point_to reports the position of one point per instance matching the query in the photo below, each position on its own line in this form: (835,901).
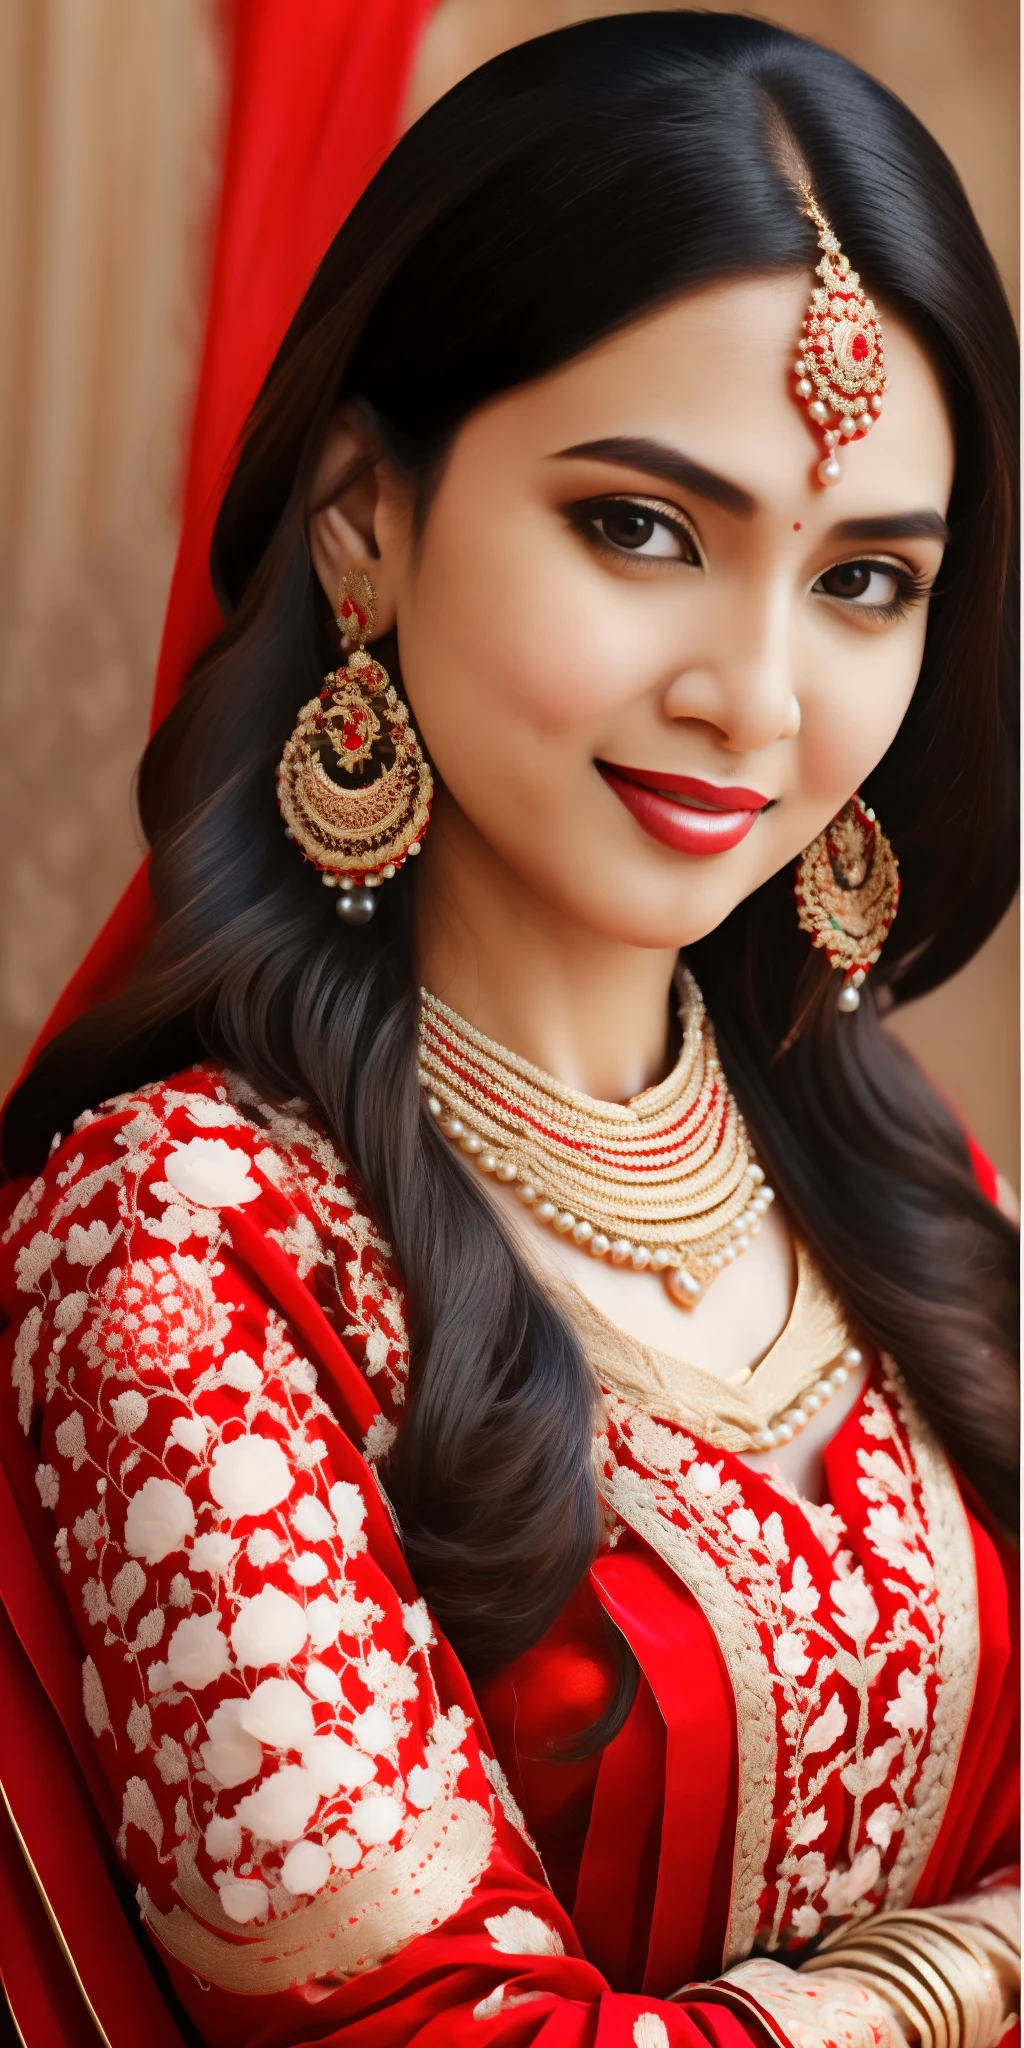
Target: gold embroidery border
(728,1617)
(352,1927)
(956,1592)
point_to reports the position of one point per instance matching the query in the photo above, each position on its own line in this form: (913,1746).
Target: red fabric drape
(315,104)
(316,101)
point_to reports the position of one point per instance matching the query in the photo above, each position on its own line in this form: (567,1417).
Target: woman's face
(650,655)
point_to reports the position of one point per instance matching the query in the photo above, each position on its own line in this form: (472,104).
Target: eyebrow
(656,458)
(893,526)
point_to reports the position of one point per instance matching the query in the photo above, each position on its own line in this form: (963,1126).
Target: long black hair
(566,189)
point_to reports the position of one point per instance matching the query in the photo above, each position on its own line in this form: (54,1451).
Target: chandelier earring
(353,786)
(847,894)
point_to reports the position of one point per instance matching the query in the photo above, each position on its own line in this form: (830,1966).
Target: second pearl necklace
(665,1183)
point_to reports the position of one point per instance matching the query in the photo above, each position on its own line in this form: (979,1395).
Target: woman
(403,1308)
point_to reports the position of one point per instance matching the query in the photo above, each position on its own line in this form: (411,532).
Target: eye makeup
(635,528)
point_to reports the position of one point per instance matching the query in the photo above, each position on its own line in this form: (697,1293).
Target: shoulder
(170,1192)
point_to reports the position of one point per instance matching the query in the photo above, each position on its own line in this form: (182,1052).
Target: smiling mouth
(683,811)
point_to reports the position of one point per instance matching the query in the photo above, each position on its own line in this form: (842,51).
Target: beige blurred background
(111,119)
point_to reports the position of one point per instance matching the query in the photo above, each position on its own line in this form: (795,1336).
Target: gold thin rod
(54,1923)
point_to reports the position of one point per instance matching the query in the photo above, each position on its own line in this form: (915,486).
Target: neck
(591,1011)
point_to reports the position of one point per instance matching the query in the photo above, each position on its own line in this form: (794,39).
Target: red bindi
(796,526)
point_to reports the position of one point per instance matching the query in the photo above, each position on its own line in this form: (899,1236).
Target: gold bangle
(961,1961)
(915,2012)
(940,1962)
(894,1963)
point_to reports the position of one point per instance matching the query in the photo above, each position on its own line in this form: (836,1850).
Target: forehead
(712,374)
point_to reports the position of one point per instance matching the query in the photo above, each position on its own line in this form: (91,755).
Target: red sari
(205,1357)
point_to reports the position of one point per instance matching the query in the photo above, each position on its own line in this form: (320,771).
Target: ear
(360,517)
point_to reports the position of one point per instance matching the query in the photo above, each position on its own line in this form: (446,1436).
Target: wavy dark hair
(563,191)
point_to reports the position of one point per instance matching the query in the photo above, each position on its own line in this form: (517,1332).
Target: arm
(307,1800)
(946,1974)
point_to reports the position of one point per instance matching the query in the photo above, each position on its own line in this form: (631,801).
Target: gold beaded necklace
(666,1183)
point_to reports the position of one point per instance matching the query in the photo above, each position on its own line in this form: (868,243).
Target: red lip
(733,813)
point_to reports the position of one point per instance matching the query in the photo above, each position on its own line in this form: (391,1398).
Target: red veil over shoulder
(316,100)
(316,97)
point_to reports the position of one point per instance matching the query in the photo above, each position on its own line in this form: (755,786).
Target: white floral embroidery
(211,1173)
(244,1898)
(276,1718)
(306,1868)
(48,1485)
(249,1474)
(94,1698)
(816,1646)
(521,1933)
(160,1519)
(650,2031)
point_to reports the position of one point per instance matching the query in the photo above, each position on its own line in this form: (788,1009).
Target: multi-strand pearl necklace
(666,1183)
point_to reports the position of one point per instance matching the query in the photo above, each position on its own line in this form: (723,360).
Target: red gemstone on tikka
(858,348)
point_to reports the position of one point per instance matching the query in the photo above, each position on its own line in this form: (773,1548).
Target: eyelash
(584,517)
(911,587)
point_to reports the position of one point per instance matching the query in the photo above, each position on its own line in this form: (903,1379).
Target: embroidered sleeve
(306,1793)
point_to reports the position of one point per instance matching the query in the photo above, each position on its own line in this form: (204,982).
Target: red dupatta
(316,99)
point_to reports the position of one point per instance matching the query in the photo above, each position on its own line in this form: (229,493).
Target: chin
(640,916)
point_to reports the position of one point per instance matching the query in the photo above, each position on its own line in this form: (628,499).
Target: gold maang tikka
(840,371)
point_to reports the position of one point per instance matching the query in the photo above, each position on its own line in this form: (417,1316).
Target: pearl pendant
(356,906)
(684,1289)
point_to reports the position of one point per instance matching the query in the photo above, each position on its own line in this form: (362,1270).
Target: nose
(742,681)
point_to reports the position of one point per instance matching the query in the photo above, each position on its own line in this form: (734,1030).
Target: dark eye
(628,526)
(865,583)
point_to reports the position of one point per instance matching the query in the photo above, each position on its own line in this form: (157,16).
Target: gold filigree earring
(357,827)
(847,894)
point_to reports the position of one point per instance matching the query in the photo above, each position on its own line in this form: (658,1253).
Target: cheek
(504,628)
(853,705)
